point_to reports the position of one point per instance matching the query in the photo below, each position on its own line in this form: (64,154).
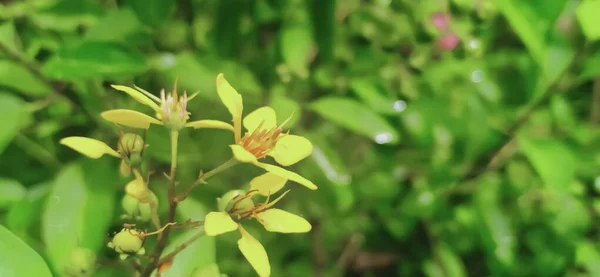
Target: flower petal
(233,101)
(130,118)
(291,149)
(255,253)
(265,115)
(215,124)
(268,183)
(138,96)
(288,175)
(276,220)
(216,223)
(242,154)
(89,147)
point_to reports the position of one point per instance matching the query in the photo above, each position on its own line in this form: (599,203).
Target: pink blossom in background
(447,42)
(440,20)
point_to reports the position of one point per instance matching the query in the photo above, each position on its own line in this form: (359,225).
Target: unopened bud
(236,202)
(131,146)
(138,189)
(81,263)
(131,143)
(128,242)
(225,203)
(136,210)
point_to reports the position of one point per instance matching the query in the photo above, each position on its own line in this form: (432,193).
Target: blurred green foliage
(451,138)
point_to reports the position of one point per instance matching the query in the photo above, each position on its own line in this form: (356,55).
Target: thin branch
(435,248)
(36,151)
(204,176)
(595,114)
(34,68)
(348,253)
(164,237)
(493,159)
(181,247)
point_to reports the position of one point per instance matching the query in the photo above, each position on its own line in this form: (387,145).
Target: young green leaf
(355,117)
(18,259)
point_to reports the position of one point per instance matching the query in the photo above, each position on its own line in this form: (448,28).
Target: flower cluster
(263,137)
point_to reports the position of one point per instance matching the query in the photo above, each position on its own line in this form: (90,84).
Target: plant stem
(203,176)
(37,151)
(164,237)
(174,142)
(181,247)
(220,168)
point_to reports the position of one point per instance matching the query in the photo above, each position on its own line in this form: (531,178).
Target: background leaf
(357,118)
(18,259)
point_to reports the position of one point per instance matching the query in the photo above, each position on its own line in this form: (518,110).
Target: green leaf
(587,15)
(528,25)
(67,15)
(18,259)
(357,118)
(192,75)
(27,211)
(11,192)
(371,93)
(284,107)
(79,209)
(588,256)
(116,26)
(8,38)
(153,12)
(94,60)
(208,271)
(201,253)
(296,46)
(15,109)
(591,66)
(547,156)
(16,76)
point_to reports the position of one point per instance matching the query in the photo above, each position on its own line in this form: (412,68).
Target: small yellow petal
(233,101)
(138,96)
(287,175)
(89,147)
(291,149)
(130,118)
(268,183)
(214,124)
(276,220)
(242,154)
(216,223)
(255,253)
(265,115)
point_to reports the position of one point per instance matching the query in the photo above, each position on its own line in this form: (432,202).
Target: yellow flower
(242,207)
(130,149)
(171,113)
(263,137)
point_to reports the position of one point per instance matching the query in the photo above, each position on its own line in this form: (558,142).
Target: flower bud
(81,263)
(138,189)
(131,146)
(136,210)
(128,242)
(236,202)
